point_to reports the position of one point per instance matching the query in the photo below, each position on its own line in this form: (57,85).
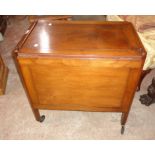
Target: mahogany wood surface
(78,65)
(3,76)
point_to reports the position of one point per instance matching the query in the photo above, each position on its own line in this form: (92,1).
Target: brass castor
(42,118)
(122,129)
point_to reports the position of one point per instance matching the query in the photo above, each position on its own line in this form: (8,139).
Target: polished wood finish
(89,66)
(58,38)
(3,76)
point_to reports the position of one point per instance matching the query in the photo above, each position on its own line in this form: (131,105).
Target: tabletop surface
(85,38)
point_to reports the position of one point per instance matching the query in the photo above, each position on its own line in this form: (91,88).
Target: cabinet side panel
(134,76)
(3,76)
(75,83)
(28,83)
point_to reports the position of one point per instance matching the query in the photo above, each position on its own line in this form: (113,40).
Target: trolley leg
(123,121)
(38,117)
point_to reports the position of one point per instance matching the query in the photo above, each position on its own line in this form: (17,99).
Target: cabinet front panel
(87,84)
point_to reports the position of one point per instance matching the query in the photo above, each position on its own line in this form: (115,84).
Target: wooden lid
(81,39)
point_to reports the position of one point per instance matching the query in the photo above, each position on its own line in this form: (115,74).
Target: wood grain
(3,76)
(89,66)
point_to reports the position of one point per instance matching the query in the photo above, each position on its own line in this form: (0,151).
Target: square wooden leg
(37,115)
(123,121)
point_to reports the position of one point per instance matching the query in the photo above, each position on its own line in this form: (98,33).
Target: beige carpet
(17,121)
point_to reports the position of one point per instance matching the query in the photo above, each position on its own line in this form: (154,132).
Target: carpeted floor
(17,121)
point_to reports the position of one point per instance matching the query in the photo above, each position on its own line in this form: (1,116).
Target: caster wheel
(122,129)
(42,118)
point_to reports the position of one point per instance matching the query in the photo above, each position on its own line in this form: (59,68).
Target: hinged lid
(81,39)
